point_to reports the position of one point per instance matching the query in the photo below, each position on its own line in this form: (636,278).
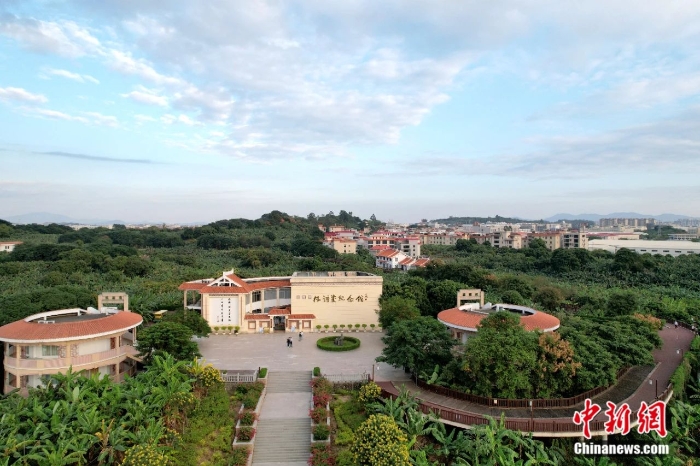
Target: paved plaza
(250,351)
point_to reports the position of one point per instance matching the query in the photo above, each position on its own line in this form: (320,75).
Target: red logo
(651,418)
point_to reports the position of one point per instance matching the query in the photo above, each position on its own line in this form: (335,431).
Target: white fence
(237,377)
(347,378)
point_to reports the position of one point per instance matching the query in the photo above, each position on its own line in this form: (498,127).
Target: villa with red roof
(96,341)
(464,319)
(299,302)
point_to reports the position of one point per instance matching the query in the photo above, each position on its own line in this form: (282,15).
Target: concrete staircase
(289,382)
(283,435)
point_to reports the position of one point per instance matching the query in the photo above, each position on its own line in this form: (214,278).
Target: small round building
(464,319)
(95,341)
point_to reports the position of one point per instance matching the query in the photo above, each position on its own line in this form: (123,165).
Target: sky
(181,111)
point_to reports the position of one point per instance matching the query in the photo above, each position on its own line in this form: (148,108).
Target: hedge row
(328,344)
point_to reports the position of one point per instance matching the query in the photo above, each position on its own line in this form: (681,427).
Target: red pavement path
(676,341)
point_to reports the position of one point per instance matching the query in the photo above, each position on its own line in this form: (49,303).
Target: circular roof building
(464,320)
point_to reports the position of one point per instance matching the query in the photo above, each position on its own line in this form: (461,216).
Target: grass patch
(328,344)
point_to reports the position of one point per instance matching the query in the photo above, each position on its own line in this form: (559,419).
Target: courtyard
(248,352)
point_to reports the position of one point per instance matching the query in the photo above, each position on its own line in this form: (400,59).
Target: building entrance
(279,323)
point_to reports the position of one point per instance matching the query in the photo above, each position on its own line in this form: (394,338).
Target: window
(285,293)
(256,296)
(49,351)
(271,294)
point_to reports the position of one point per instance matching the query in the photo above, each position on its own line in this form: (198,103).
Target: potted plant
(364,327)
(216,330)
(335,327)
(372,326)
(325,328)
(318,328)
(229,329)
(342,327)
(236,329)
(357,327)
(349,327)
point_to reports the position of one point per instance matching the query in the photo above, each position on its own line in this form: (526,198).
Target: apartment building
(574,239)
(409,244)
(629,222)
(444,239)
(390,259)
(342,245)
(551,239)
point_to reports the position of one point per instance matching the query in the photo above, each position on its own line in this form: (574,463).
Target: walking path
(676,341)
(283,436)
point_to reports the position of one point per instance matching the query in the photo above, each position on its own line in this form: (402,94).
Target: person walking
(301,335)
(289,342)
(675,323)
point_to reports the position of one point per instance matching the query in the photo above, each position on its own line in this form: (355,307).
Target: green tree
(502,357)
(549,298)
(395,309)
(622,303)
(191,319)
(418,344)
(167,337)
(442,295)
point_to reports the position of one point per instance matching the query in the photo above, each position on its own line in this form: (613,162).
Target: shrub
(364,326)
(322,399)
(321,455)
(250,400)
(372,326)
(317,372)
(379,441)
(349,326)
(326,326)
(321,432)
(239,456)
(247,418)
(369,392)
(335,326)
(321,385)
(345,458)
(342,326)
(145,455)
(262,373)
(237,328)
(357,326)
(246,434)
(328,344)
(318,414)
(216,329)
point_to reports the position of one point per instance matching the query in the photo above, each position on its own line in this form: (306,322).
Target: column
(184,300)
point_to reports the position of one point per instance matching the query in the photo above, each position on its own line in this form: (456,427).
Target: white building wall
(95,346)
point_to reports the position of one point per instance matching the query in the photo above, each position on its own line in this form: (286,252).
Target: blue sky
(182,111)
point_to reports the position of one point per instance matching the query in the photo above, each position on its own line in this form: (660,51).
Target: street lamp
(532,421)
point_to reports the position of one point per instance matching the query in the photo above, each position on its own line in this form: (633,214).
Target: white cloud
(88,118)
(21,95)
(149,98)
(125,63)
(81,78)
(63,38)
(143,118)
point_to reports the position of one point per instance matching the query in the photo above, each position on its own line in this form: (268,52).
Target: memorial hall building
(299,302)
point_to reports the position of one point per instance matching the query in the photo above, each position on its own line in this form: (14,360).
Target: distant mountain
(46,217)
(596,217)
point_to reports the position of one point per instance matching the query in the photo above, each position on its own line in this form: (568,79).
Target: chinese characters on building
(339,298)
(651,418)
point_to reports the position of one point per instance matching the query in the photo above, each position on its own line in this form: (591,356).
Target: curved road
(676,341)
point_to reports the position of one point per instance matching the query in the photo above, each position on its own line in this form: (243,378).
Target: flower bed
(328,344)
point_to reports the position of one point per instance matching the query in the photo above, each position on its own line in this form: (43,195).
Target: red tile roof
(388,253)
(301,316)
(241,286)
(279,312)
(191,286)
(537,321)
(22,331)
(257,317)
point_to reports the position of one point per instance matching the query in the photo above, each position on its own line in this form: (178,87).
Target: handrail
(504,403)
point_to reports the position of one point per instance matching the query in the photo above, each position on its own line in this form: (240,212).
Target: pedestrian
(301,334)
(675,323)
(289,342)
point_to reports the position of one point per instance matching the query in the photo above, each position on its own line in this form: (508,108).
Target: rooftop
(68,324)
(469,319)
